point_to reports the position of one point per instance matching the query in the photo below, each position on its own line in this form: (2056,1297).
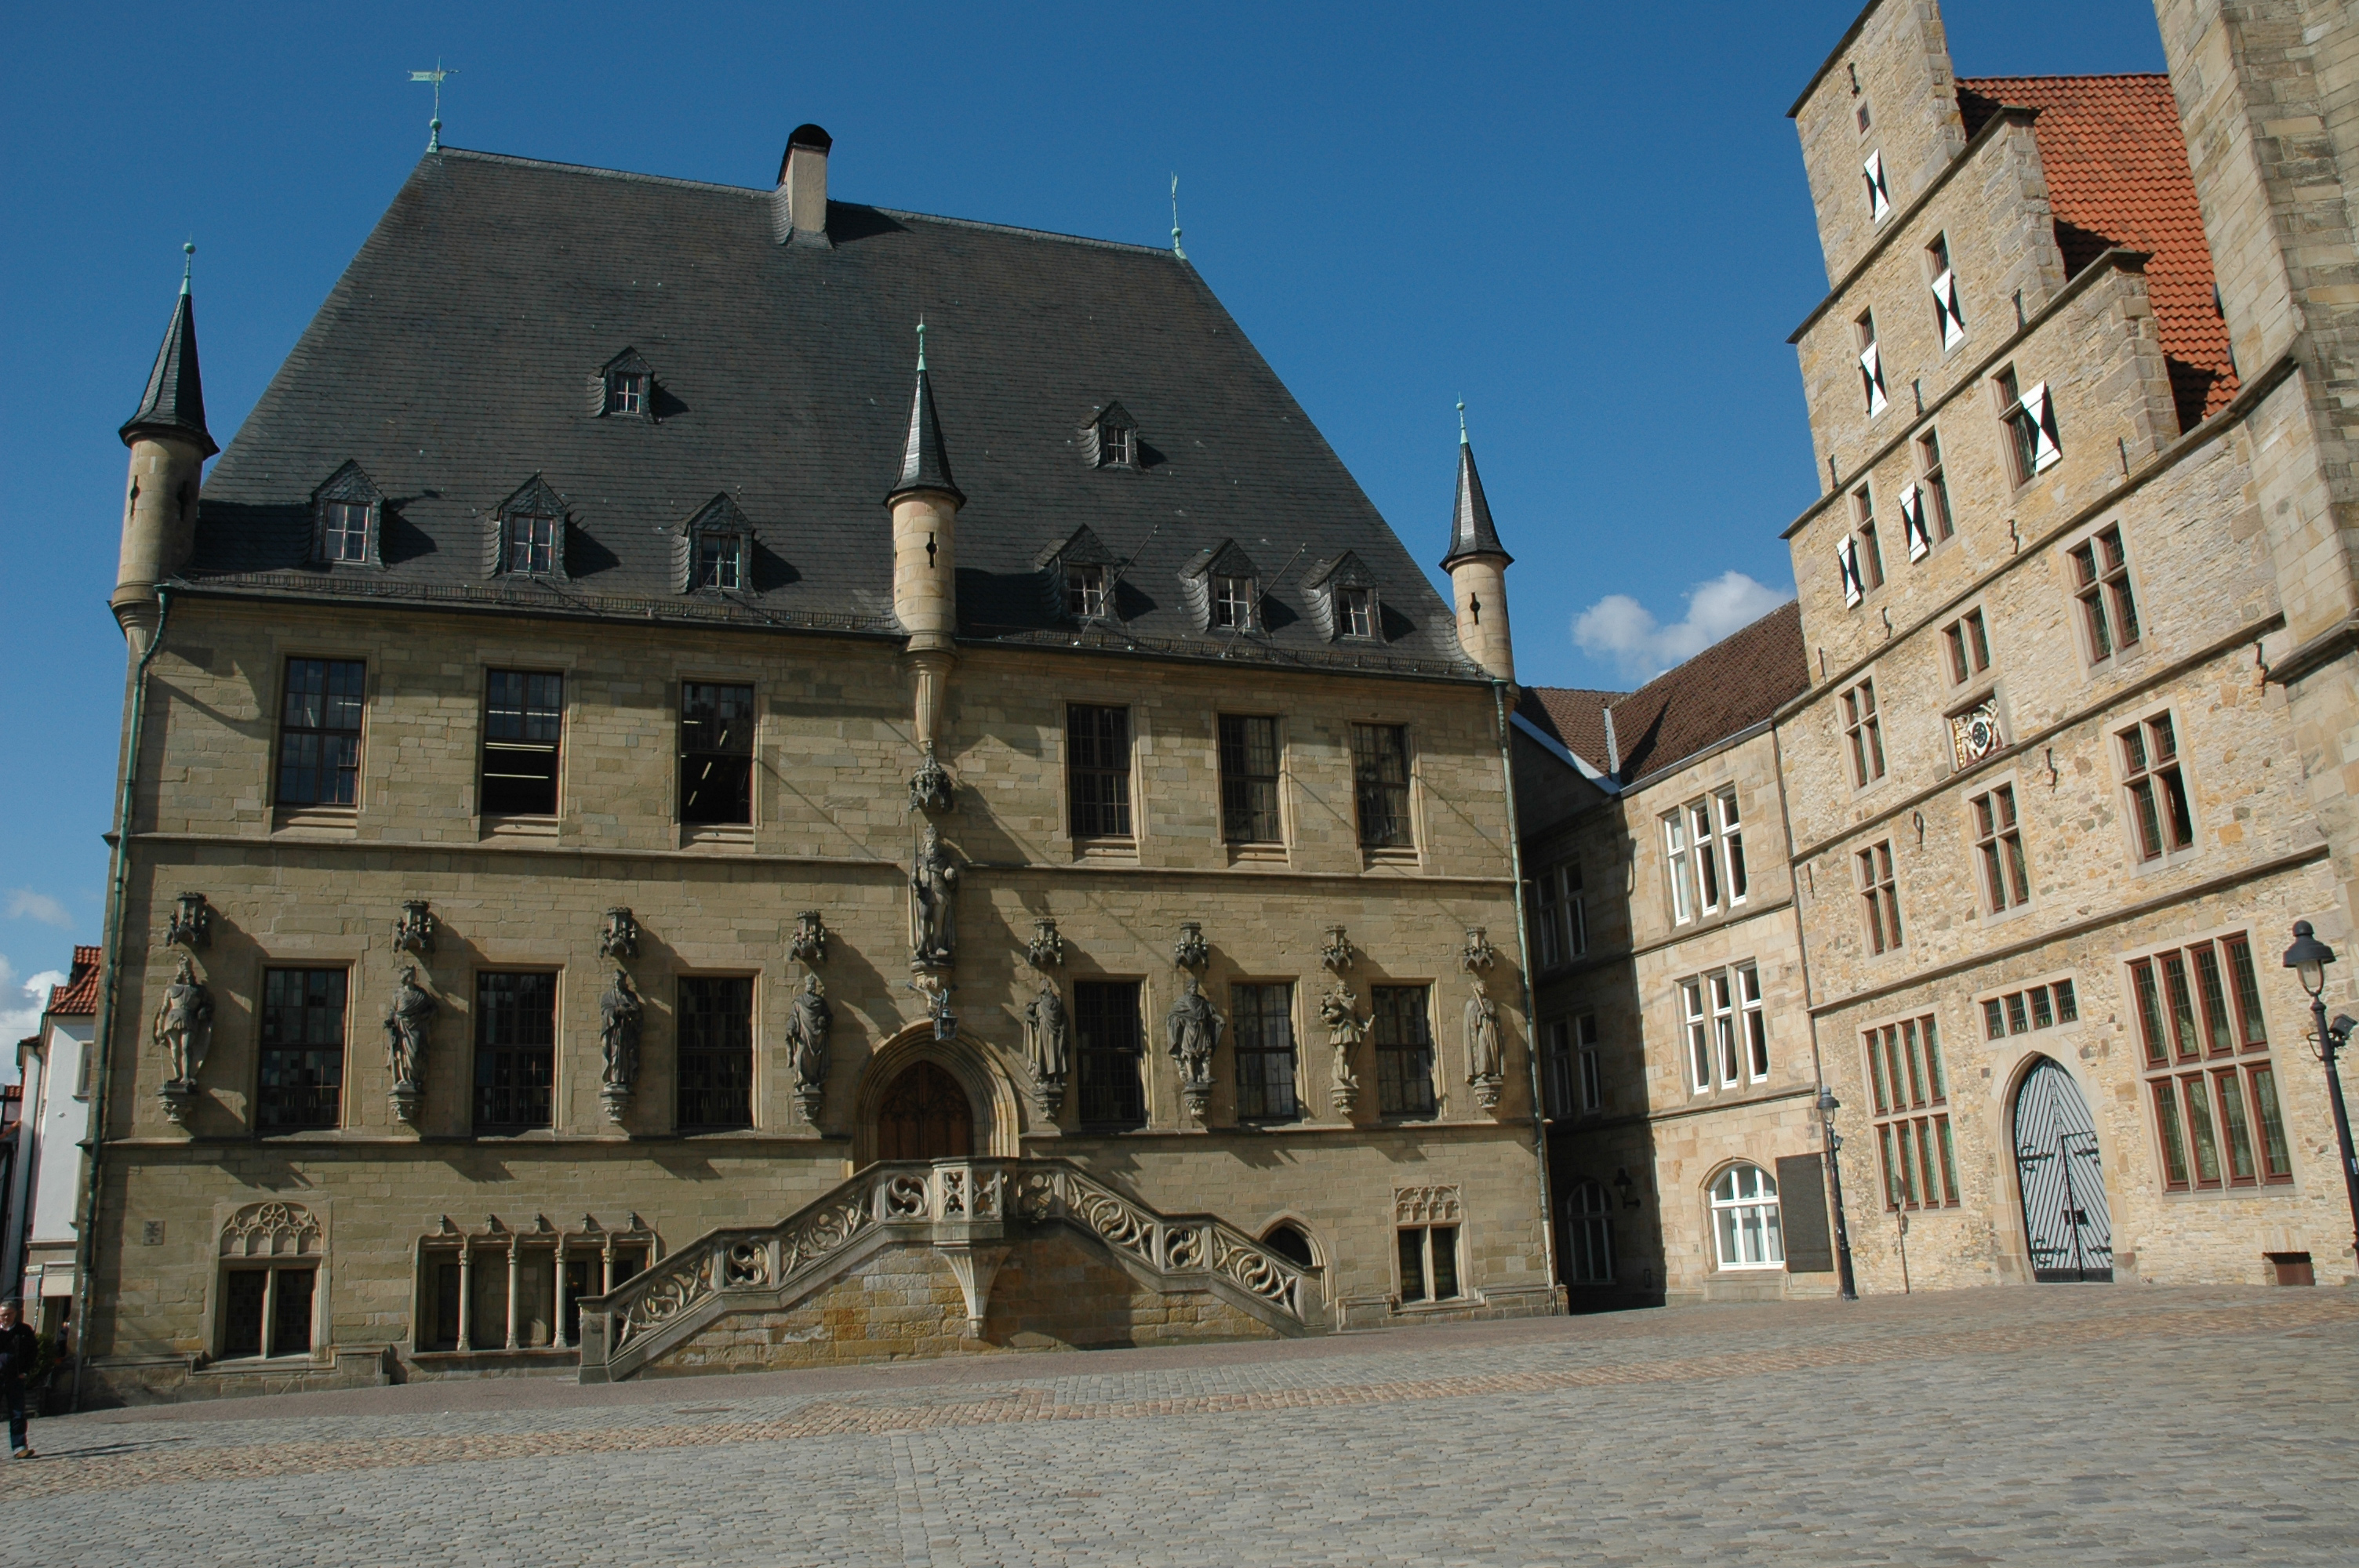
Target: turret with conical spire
(1477,564)
(925,502)
(168,444)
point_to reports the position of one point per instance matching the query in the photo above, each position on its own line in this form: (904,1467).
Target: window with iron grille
(1404,1041)
(320,732)
(1911,1093)
(524,720)
(2101,581)
(715,1051)
(716,753)
(1380,785)
(1249,780)
(301,1083)
(1863,731)
(1998,850)
(1880,896)
(1263,1017)
(2160,819)
(516,1049)
(2048,1005)
(2208,1073)
(1097,770)
(1106,1038)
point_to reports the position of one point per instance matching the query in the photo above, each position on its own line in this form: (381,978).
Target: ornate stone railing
(968,1210)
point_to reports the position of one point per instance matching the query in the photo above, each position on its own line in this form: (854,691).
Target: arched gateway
(2064,1215)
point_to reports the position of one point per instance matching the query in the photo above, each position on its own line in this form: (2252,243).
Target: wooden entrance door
(2064,1214)
(924,1116)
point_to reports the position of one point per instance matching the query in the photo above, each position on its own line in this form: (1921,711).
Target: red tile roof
(2117,175)
(1729,687)
(78,998)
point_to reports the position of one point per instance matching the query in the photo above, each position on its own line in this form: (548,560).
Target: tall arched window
(1588,1236)
(1744,1219)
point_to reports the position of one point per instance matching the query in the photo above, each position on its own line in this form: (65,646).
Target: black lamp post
(2308,958)
(1828,1106)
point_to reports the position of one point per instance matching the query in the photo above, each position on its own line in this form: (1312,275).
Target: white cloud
(1620,629)
(20,1009)
(41,906)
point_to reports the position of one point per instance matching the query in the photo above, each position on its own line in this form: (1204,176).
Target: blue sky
(1590,221)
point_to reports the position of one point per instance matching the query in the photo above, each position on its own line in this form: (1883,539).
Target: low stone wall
(172,1379)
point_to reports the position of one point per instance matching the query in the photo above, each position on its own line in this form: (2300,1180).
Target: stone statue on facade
(1194,1030)
(1486,1058)
(808,1019)
(620,1015)
(184,1028)
(933,879)
(407,1019)
(1049,1035)
(1338,1011)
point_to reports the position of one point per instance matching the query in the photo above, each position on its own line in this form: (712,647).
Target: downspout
(1833,1178)
(1523,958)
(102,1037)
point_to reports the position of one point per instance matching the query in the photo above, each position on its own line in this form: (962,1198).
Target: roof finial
(1175,220)
(434,126)
(1462,421)
(921,342)
(189,263)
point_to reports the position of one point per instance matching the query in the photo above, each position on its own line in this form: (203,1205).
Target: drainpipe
(1523,958)
(102,1037)
(1833,1170)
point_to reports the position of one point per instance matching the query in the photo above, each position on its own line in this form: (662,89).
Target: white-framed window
(2162,821)
(1998,851)
(1563,916)
(1705,841)
(1879,192)
(1707,857)
(1117,446)
(626,392)
(1699,1032)
(2029,415)
(1949,319)
(1589,1235)
(1085,591)
(1591,1070)
(1359,607)
(721,561)
(1863,731)
(1727,1050)
(1675,847)
(344,531)
(1871,363)
(1731,845)
(1755,1021)
(1744,1219)
(1232,603)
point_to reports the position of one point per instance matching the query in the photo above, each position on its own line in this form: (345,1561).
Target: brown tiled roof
(78,998)
(2117,175)
(1575,715)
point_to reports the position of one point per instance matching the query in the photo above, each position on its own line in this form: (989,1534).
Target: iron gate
(2064,1213)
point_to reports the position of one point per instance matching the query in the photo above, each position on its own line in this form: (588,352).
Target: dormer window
(345,514)
(714,550)
(721,561)
(1077,577)
(626,392)
(1232,603)
(344,531)
(532,544)
(530,537)
(1359,607)
(1111,438)
(1085,592)
(1119,449)
(624,388)
(1345,598)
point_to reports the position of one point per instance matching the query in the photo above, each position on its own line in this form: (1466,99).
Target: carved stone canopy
(1479,955)
(414,932)
(929,786)
(1047,948)
(1190,951)
(809,944)
(1337,953)
(192,922)
(619,937)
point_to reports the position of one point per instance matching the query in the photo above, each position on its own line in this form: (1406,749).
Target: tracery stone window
(270,1255)
(1427,1231)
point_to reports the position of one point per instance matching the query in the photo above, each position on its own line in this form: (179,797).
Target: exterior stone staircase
(972,1213)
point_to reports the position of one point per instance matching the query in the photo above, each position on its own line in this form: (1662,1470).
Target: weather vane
(1175,220)
(434,127)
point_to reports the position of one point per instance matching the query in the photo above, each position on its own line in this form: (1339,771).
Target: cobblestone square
(2094,1424)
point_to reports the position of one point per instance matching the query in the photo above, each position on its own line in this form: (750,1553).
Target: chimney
(798,207)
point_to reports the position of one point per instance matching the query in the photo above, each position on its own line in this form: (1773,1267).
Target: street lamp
(1828,1106)
(2308,958)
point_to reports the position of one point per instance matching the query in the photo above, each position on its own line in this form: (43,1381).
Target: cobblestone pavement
(2089,1425)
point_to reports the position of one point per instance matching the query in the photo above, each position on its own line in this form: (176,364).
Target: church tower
(1477,564)
(925,502)
(168,445)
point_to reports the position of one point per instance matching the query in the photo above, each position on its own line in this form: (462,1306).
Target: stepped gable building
(682,820)
(2066,750)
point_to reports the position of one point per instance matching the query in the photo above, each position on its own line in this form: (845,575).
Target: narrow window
(1914,528)
(320,732)
(1404,1045)
(1864,732)
(1249,780)
(532,543)
(516,1049)
(1723,1027)
(717,1052)
(1948,319)
(1867,556)
(1707,855)
(1967,641)
(1359,612)
(1755,1021)
(1117,446)
(301,1081)
(2029,416)
(1699,1038)
(1589,1235)
(1880,897)
(2101,572)
(1745,1220)
(2157,790)
(1380,783)
(1731,844)
(1847,569)
(1593,1077)
(1933,488)
(1683,866)
(1556,1063)
(1561,917)
(716,753)
(1232,603)
(344,531)
(626,392)
(1879,193)
(721,561)
(1871,363)
(524,717)
(1998,842)
(1264,1018)
(1085,592)
(1106,1028)
(1097,770)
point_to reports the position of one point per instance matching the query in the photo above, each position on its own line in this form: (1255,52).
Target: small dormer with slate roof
(712,550)
(1223,588)
(528,534)
(1077,577)
(1343,593)
(347,519)
(624,388)
(1110,439)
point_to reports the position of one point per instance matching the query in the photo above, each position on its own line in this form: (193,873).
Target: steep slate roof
(453,360)
(78,998)
(2117,176)
(1729,687)
(174,403)
(1471,533)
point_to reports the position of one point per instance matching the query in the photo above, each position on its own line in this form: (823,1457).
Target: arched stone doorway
(2065,1221)
(924,1115)
(994,1117)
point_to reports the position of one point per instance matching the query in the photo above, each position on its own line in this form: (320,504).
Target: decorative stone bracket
(619,937)
(193,923)
(809,944)
(1337,953)
(1047,948)
(414,932)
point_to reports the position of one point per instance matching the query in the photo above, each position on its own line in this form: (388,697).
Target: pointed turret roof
(174,399)
(1471,533)
(925,464)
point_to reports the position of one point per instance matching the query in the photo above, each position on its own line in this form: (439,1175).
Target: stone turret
(168,444)
(1477,564)
(925,502)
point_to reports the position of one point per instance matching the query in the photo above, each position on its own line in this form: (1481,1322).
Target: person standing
(20,1349)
